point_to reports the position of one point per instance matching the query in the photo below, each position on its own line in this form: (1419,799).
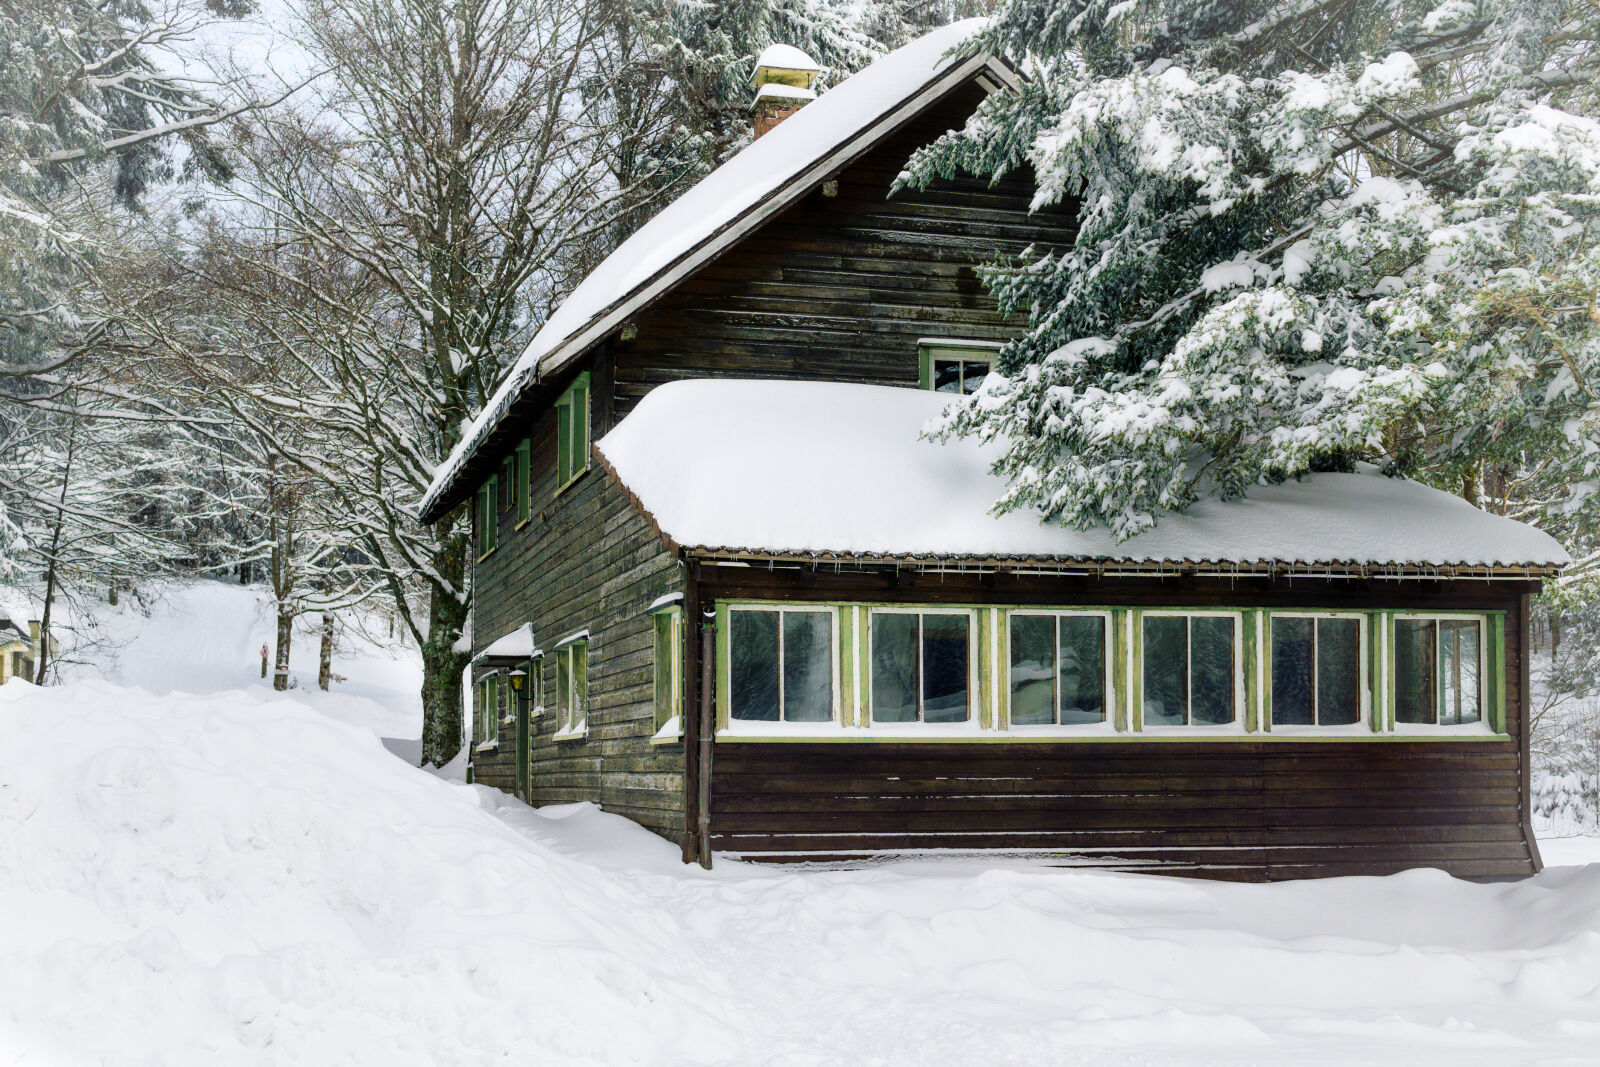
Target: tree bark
(325,657)
(442,664)
(280,674)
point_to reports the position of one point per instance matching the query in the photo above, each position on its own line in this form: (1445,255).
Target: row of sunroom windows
(1179,670)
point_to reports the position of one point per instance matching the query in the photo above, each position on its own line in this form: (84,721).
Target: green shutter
(1497,674)
(492,515)
(524,486)
(572,432)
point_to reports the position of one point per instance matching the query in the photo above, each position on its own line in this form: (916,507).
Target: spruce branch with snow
(1310,233)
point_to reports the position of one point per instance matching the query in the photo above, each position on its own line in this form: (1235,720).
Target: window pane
(580,429)
(1338,672)
(947,375)
(580,683)
(1413,671)
(1166,661)
(807,666)
(972,376)
(1458,652)
(1033,670)
(753,688)
(944,668)
(1291,672)
(1211,669)
(894,667)
(663,680)
(563,442)
(1083,669)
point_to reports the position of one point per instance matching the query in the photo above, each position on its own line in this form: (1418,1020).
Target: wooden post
(691,719)
(708,730)
(1525,702)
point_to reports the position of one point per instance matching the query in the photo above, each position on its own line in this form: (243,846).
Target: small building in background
(19,639)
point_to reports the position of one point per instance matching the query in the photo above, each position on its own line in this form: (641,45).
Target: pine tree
(1310,233)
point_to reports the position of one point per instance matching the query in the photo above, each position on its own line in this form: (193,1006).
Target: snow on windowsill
(487,746)
(578,733)
(1431,730)
(671,732)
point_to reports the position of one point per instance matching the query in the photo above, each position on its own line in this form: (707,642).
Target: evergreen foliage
(1310,233)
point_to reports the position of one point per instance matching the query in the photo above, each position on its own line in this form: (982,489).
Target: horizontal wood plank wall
(841,288)
(1246,809)
(586,560)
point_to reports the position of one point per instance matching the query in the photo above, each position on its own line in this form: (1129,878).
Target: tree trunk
(442,664)
(325,657)
(280,674)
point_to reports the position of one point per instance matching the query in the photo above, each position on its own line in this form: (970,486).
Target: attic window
(954,366)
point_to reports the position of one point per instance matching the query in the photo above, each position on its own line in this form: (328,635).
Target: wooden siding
(1238,808)
(841,288)
(587,560)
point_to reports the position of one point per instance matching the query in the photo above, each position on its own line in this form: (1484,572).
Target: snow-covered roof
(785,57)
(518,644)
(766,176)
(840,470)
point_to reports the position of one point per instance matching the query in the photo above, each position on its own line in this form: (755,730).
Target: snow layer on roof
(726,194)
(785,57)
(800,468)
(517,644)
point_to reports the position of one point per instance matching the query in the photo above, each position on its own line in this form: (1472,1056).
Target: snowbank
(828,467)
(236,880)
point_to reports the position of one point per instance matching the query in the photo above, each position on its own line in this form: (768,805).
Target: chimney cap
(784,64)
(779,91)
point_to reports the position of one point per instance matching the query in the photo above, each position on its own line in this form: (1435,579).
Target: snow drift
(230,879)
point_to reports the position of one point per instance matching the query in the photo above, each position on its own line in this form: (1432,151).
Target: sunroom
(904,671)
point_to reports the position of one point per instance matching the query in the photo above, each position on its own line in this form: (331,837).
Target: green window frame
(1322,636)
(1227,664)
(486,720)
(943,362)
(916,678)
(1440,637)
(535,669)
(572,432)
(524,480)
(572,688)
(507,500)
(667,689)
(1021,676)
(776,656)
(1155,659)
(487,523)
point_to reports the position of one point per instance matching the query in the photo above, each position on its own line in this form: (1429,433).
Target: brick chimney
(782,82)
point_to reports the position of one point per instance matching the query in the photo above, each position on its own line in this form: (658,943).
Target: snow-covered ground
(240,877)
(206,637)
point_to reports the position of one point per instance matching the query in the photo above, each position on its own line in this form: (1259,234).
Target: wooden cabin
(723,587)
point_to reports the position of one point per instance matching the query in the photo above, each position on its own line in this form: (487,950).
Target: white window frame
(932,350)
(673,612)
(490,716)
(1363,724)
(1237,725)
(974,719)
(1484,725)
(738,725)
(566,729)
(1112,691)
